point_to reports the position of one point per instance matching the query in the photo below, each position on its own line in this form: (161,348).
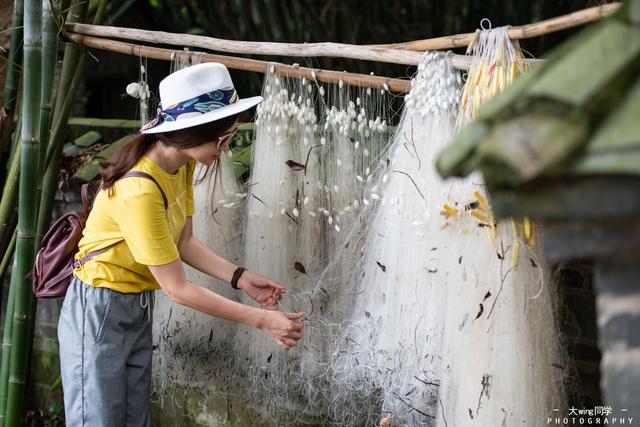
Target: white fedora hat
(196,95)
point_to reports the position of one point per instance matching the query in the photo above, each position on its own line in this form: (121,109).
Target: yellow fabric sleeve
(144,225)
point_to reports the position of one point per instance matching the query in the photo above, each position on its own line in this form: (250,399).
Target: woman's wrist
(235,278)
(258,318)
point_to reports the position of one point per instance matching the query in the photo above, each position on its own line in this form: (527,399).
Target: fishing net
(421,308)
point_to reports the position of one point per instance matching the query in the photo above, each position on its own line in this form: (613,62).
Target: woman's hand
(281,327)
(264,291)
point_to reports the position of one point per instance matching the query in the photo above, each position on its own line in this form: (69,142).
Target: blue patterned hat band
(194,107)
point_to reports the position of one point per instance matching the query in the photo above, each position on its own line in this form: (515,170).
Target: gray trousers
(105,356)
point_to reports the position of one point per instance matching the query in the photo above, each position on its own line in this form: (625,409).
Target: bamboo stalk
(327,76)
(6,258)
(72,65)
(15,138)
(70,59)
(49,59)
(327,49)
(9,200)
(536,29)
(72,68)
(71,74)
(7,345)
(27,211)
(7,213)
(9,207)
(10,86)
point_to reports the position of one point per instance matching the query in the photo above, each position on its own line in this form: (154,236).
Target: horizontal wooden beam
(326,76)
(338,50)
(399,53)
(536,29)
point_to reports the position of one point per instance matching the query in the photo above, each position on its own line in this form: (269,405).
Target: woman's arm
(279,325)
(197,255)
(263,290)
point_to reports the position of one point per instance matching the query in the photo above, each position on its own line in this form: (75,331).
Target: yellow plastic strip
(481,217)
(481,200)
(527,227)
(449,210)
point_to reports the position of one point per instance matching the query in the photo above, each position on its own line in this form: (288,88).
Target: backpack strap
(86,207)
(140,174)
(78,262)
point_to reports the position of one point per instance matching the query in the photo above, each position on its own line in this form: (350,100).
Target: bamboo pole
(326,49)
(8,328)
(54,153)
(327,76)
(72,64)
(7,346)
(71,74)
(10,87)
(6,258)
(536,29)
(7,222)
(9,200)
(15,139)
(49,59)
(27,211)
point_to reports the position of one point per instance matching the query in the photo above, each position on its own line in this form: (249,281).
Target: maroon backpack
(54,263)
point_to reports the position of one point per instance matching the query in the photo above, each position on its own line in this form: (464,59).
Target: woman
(137,236)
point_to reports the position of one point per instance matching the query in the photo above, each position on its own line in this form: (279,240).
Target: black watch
(236,277)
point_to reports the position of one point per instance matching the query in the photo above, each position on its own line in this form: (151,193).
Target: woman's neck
(169,158)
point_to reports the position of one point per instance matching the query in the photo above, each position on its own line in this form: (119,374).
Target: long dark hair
(128,155)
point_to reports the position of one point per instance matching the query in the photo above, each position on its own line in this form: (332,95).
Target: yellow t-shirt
(136,213)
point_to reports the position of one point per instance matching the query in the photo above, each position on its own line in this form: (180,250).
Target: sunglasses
(226,137)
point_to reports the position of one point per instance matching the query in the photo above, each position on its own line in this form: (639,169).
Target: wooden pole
(392,53)
(326,49)
(327,76)
(396,56)
(536,29)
